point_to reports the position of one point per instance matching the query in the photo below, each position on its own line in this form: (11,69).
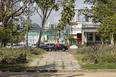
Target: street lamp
(28,15)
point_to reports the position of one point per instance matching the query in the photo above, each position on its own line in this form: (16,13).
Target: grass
(101,65)
(54,65)
(70,63)
(30,57)
(37,64)
(63,65)
(11,66)
(87,65)
(21,65)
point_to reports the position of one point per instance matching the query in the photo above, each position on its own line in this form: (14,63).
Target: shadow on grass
(11,66)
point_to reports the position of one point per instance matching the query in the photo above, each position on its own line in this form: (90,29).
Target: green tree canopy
(67,13)
(103,11)
(10,10)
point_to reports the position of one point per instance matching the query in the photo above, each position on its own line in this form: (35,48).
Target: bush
(100,52)
(5,52)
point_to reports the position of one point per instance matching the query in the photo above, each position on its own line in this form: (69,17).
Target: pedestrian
(57,45)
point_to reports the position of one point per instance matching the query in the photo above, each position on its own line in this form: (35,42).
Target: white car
(15,46)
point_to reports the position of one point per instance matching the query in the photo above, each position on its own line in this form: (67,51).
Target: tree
(70,38)
(19,29)
(8,10)
(46,7)
(103,11)
(107,29)
(15,30)
(67,13)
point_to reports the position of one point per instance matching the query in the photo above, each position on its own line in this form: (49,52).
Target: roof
(35,26)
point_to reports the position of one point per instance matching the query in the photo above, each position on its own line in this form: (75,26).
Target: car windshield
(16,45)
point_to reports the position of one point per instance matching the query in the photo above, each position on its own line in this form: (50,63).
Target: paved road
(57,61)
(69,74)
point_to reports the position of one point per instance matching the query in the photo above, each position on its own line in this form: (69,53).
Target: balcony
(90,25)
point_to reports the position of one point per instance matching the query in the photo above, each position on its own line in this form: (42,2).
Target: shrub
(100,52)
(4,52)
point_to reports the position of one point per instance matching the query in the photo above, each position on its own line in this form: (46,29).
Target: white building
(85,30)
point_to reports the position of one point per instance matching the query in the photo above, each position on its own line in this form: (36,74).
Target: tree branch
(49,12)
(39,14)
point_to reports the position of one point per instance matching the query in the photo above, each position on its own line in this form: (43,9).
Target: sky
(55,16)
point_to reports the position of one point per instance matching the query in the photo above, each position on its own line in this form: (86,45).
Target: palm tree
(67,13)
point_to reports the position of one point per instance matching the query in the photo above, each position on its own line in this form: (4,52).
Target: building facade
(50,34)
(85,31)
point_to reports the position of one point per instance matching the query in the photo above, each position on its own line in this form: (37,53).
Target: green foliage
(108,27)
(103,11)
(5,36)
(67,13)
(14,30)
(10,15)
(4,52)
(100,52)
(11,66)
(46,7)
(61,26)
(101,65)
(29,53)
(46,4)
(70,38)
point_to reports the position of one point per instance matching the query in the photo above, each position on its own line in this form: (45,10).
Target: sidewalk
(55,62)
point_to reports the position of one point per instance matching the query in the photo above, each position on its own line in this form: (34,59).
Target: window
(90,36)
(79,35)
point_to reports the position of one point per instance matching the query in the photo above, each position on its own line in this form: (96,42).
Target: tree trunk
(41,32)
(2,44)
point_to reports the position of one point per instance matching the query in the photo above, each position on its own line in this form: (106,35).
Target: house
(49,34)
(85,31)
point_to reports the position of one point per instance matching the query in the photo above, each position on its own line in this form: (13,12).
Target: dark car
(52,46)
(63,47)
(44,47)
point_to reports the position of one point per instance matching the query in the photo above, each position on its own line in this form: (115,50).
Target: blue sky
(55,16)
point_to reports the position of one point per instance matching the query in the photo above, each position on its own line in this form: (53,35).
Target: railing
(90,24)
(87,26)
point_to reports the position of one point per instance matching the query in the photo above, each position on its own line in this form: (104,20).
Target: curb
(79,70)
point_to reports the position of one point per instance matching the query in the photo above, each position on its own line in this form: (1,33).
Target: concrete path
(56,62)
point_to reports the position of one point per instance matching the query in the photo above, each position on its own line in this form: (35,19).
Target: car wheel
(50,49)
(63,49)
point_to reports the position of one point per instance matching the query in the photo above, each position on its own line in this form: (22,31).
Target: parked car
(15,46)
(35,45)
(62,47)
(52,46)
(44,47)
